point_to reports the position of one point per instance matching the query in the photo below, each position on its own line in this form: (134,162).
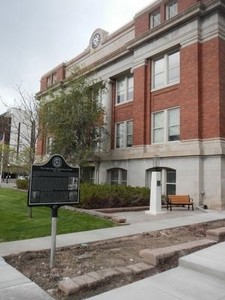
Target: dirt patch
(80,259)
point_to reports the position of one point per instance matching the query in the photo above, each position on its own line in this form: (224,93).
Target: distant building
(14,127)
(165,76)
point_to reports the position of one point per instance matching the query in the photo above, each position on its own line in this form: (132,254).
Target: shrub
(22,184)
(94,196)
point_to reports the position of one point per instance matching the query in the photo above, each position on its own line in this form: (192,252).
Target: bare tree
(24,129)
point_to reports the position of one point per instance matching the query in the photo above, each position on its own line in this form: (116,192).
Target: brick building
(165,101)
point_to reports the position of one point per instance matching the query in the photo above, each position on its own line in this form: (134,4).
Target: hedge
(22,184)
(94,196)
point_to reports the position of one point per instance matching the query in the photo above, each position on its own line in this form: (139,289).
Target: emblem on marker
(57,162)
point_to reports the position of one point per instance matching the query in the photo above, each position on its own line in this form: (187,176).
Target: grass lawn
(16,225)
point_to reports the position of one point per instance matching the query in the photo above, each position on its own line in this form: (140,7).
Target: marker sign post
(54,184)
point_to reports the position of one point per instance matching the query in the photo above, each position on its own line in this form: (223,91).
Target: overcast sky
(37,35)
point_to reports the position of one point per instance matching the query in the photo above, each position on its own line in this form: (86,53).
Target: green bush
(22,184)
(94,196)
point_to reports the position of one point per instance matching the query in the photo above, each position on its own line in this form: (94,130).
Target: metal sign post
(2,157)
(53,237)
(54,184)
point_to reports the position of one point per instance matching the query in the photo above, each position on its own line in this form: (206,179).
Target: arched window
(117,176)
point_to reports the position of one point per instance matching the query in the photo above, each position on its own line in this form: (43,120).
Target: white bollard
(156,194)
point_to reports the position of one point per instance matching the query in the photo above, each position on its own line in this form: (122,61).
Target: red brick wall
(210,89)
(142,24)
(185,4)
(142,20)
(190,97)
(165,98)
(60,75)
(139,105)
(124,112)
(198,95)
(222,86)
(137,110)
(43,84)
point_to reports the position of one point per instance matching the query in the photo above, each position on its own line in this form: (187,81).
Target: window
(171,9)
(124,89)
(166,126)
(99,138)
(155,19)
(54,78)
(124,134)
(129,134)
(88,174)
(49,142)
(171,182)
(166,70)
(117,176)
(51,79)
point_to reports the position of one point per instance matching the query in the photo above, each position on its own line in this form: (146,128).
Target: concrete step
(217,234)
(210,261)
(159,256)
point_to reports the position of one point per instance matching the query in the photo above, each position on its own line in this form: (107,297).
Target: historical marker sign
(54,183)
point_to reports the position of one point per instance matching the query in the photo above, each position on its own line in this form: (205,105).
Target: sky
(38,35)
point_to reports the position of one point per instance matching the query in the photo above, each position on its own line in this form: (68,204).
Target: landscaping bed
(81,259)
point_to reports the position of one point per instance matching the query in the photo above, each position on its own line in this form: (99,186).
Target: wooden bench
(179,200)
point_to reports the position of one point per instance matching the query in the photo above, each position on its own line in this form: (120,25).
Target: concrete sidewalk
(14,285)
(146,223)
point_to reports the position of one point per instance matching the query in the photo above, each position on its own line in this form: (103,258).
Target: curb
(92,280)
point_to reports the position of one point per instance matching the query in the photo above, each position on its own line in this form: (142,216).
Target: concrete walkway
(14,285)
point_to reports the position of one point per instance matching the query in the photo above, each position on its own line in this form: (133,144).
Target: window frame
(165,127)
(170,10)
(126,89)
(120,180)
(171,183)
(125,136)
(89,174)
(51,79)
(49,143)
(154,15)
(167,80)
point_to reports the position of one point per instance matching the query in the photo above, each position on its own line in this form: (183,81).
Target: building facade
(165,100)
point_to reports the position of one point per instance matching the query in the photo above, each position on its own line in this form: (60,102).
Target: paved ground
(140,222)
(14,285)
(10,184)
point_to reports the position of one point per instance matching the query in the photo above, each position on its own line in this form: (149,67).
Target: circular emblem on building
(96,40)
(57,162)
